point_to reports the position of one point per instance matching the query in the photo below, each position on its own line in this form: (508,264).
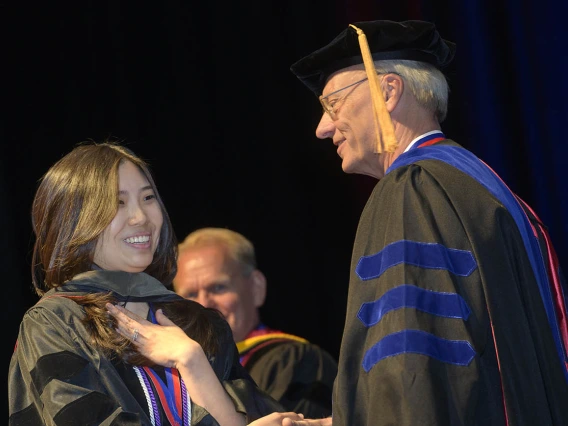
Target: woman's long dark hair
(201,324)
(75,201)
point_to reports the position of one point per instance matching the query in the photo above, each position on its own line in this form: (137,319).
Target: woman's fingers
(129,324)
(162,318)
(164,343)
(124,313)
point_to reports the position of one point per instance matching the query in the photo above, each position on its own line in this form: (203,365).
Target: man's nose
(326,127)
(206,300)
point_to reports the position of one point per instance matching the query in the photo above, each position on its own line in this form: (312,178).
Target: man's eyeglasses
(331,104)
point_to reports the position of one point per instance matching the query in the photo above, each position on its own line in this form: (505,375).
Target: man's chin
(347,166)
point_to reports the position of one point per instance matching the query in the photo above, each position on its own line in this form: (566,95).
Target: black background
(203,91)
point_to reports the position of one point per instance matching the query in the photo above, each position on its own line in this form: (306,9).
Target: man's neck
(405,135)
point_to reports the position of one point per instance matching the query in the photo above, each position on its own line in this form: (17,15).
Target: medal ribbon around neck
(170,394)
(173,394)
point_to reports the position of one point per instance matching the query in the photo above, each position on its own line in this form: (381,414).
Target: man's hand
(307,422)
(277,419)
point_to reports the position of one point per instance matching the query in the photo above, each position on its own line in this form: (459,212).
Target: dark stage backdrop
(203,91)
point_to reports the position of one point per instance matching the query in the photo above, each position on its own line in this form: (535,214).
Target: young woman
(100,346)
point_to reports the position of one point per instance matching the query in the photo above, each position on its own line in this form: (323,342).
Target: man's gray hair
(238,246)
(427,83)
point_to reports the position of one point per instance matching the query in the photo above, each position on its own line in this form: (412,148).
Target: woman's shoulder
(55,306)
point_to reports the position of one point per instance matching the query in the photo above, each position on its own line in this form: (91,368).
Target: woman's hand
(164,343)
(167,344)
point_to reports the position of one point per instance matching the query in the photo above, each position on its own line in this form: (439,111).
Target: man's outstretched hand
(307,422)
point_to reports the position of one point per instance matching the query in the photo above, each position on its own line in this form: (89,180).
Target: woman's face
(129,242)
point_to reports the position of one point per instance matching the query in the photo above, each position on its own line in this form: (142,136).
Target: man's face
(352,130)
(209,276)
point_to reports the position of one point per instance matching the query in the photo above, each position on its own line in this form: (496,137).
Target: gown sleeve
(299,375)
(248,398)
(56,378)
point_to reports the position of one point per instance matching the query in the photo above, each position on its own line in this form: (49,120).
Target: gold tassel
(384,129)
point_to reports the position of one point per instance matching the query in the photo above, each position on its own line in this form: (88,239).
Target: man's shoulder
(265,334)
(297,352)
(302,355)
(444,162)
(276,343)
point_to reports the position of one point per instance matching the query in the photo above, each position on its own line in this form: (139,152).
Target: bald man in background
(217,268)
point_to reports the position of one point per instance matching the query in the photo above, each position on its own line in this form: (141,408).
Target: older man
(217,268)
(456,311)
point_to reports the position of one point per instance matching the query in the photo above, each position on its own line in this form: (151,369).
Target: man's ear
(259,287)
(393,88)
